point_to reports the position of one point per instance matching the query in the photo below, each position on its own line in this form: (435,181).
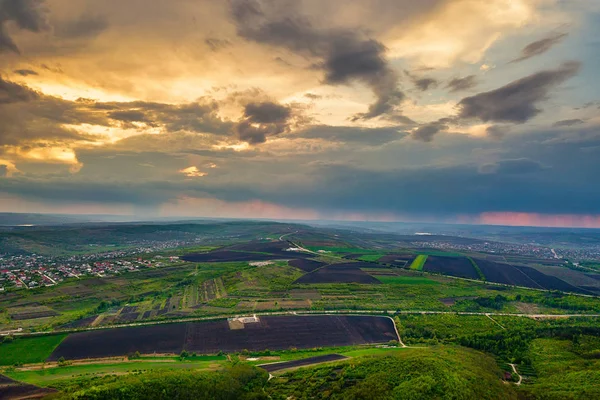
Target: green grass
(371,257)
(406,280)
(29,350)
(418,262)
(371,351)
(51,376)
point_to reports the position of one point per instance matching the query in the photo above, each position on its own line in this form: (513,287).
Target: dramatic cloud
(516,102)
(26,14)
(497,132)
(262,120)
(422,83)
(459,84)
(568,122)
(3,170)
(344,55)
(540,46)
(425,133)
(11,92)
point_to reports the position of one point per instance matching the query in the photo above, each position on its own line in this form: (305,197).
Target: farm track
(514,368)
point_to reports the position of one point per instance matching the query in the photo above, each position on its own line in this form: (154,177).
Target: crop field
(339,273)
(505,273)
(302,362)
(406,280)
(228,256)
(574,278)
(306,265)
(279,333)
(274,333)
(166,338)
(10,389)
(53,375)
(418,263)
(18,314)
(397,259)
(454,266)
(549,282)
(29,350)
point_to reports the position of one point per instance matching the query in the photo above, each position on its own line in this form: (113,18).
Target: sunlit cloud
(192,172)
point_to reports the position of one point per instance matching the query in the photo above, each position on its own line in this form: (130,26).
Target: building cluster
(35,271)
(535,250)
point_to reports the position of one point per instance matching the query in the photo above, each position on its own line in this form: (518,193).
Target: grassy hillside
(439,373)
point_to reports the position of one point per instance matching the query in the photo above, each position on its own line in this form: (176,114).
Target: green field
(53,376)
(406,280)
(418,262)
(29,350)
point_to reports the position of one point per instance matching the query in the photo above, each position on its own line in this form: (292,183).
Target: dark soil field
(280,333)
(399,259)
(10,389)
(33,315)
(454,266)
(506,274)
(274,333)
(550,282)
(80,323)
(225,256)
(306,265)
(128,317)
(300,363)
(166,338)
(339,273)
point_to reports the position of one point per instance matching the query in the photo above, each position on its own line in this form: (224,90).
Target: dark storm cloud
(426,132)
(497,132)
(517,101)
(3,170)
(11,92)
(516,166)
(28,15)
(459,84)
(540,46)
(128,116)
(26,115)
(568,122)
(262,120)
(86,26)
(25,72)
(216,44)
(267,113)
(344,55)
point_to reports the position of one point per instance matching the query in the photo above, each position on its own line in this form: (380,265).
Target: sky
(383,110)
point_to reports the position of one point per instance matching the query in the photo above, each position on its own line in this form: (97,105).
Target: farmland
(30,350)
(275,333)
(186,302)
(418,263)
